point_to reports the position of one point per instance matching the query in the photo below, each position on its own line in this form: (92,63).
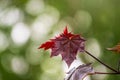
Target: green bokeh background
(25,24)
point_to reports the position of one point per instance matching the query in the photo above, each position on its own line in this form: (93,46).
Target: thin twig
(106,73)
(119,66)
(101,62)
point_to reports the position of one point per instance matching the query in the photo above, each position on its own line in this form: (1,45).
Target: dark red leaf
(66,44)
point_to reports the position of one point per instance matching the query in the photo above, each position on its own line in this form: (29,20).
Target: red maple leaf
(66,44)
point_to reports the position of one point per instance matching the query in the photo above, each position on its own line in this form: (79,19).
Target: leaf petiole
(107,73)
(101,62)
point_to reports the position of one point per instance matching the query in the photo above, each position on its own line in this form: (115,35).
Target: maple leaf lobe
(47,45)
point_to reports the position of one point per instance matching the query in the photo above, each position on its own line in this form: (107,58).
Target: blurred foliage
(25,24)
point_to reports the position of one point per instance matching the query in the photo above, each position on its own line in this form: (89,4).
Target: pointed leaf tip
(66,30)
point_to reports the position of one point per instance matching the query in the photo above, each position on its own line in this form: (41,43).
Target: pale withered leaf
(80,72)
